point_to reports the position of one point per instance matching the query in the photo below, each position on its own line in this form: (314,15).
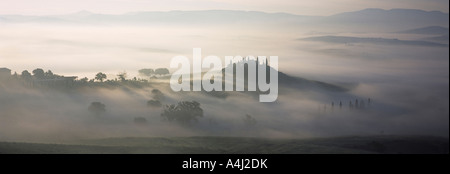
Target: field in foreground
(237,145)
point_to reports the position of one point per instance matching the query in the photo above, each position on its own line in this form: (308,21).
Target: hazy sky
(322,7)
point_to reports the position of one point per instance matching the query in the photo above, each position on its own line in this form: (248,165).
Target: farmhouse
(5,73)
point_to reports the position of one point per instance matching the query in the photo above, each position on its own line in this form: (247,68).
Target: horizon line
(168,11)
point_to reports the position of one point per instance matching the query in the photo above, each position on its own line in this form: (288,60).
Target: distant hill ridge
(431,30)
(348,40)
(395,18)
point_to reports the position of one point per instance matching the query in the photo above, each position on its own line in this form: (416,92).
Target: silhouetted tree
(158,95)
(122,76)
(154,103)
(162,71)
(184,112)
(146,72)
(15,75)
(84,80)
(100,76)
(49,75)
(25,75)
(97,108)
(39,73)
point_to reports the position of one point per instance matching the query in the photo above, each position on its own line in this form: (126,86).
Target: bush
(146,72)
(158,95)
(184,112)
(97,108)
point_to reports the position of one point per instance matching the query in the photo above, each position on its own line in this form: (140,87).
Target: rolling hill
(238,145)
(382,41)
(431,30)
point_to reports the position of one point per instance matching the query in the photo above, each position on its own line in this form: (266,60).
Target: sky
(316,7)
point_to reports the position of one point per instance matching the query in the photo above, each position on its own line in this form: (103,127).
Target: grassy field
(238,145)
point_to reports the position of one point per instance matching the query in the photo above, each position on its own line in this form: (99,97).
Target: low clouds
(316,8)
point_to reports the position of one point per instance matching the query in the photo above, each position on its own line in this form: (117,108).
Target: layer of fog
(408,84)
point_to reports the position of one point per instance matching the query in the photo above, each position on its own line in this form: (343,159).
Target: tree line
(41,78)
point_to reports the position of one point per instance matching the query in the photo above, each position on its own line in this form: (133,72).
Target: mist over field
(399,70)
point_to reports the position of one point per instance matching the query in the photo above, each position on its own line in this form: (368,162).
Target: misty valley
(98,83)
